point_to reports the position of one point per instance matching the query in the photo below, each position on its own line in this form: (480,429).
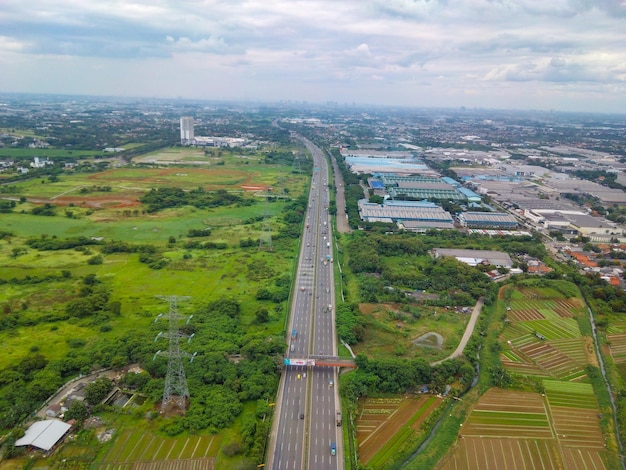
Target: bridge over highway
(320,361)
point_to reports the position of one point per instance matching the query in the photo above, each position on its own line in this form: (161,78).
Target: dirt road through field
(468,333)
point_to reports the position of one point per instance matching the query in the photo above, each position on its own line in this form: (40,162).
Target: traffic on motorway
(305,431)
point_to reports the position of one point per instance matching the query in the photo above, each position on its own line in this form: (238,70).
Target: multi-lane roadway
(305,426)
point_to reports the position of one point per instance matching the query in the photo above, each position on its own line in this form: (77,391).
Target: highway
(305,418)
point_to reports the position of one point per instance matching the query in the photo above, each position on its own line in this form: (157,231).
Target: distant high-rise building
(186,131)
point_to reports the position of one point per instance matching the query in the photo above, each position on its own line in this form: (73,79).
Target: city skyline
(565,55)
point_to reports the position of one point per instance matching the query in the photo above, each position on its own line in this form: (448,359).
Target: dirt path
(467,335)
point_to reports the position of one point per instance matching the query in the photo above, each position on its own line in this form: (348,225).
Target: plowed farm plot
(543,336)
(520,430)
(503,413)
(384,424)
(618,347)
(554,361)
(545,308)
(574,410)
(503,454)
(134,449)
(525,315)
(582,459)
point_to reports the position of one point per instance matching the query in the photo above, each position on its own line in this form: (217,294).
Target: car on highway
(301,415)
(330,382)
(298,376)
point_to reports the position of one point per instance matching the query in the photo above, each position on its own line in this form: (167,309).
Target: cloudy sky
(542,54)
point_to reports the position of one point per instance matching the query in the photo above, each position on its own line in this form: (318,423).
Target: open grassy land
(394,332)
(49,153)
(123,186)
(41,290)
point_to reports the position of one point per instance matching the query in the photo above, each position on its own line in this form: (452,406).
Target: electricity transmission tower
(265,240)
(296,166)
(176,391)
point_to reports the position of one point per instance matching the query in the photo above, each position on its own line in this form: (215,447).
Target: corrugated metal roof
(44,434)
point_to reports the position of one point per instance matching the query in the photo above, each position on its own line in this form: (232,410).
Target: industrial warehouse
(420,213)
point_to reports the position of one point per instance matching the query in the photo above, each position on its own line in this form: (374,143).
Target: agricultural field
(574,410)
(392,332)
(518,430)
(616,341)
(385,424)
(508,413)
(133,449)
(542,338)
(561,428)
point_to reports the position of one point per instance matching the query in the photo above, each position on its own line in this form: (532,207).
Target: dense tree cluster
(98,390)
(279,157)
(293,216)
(164,198)
(387,265)
(47,209)
(350,323)
(7,206)
(46,243)
(403,375)
(124,247)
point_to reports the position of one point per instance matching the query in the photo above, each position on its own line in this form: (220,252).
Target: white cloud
(353,50)
(9,44)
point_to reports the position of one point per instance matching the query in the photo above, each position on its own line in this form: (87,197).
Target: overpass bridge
(320,361)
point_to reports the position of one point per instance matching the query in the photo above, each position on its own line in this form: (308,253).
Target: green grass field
(50,153)
(384,338)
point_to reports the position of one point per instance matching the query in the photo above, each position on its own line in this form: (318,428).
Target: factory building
(476,257)
(430,216)
(488,220)
(424,187)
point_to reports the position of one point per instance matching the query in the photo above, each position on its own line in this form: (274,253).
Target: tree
(263,294)
(115,307)
(262,315)
(97,259)
(78,411)
(98,390)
